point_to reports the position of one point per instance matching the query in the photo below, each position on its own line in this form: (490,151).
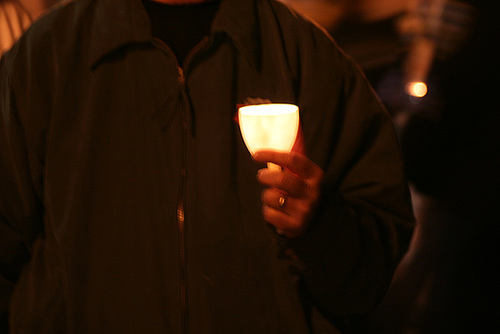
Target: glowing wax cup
(271,126)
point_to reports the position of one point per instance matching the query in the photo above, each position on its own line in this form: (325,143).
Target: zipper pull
(180,75)
(180,214)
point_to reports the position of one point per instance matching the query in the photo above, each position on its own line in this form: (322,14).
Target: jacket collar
(118,23)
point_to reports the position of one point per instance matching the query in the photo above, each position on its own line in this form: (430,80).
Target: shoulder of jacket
(303,32)
(299,23)
(55,29)
(53,39)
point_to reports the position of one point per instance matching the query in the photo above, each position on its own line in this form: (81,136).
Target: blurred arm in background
(16,16)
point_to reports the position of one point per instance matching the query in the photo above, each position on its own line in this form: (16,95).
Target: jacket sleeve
(364,222)
(20,180)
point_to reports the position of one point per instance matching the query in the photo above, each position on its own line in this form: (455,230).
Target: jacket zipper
(181,219)
(182,263)
(180,214)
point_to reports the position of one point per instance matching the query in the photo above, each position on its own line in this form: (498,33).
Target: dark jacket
(128,191)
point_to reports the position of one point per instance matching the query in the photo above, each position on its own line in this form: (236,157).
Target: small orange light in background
(416,89)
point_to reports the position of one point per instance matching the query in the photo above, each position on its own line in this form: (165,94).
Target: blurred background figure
(434,64)
(451,144)
(16,16)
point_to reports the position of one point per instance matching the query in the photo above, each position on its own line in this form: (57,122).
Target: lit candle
(270,126)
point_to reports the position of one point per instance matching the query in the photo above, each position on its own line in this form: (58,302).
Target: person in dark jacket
(129,202)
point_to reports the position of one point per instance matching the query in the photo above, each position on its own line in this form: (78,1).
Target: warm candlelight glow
(269,126)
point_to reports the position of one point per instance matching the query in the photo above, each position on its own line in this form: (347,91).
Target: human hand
(293,192)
